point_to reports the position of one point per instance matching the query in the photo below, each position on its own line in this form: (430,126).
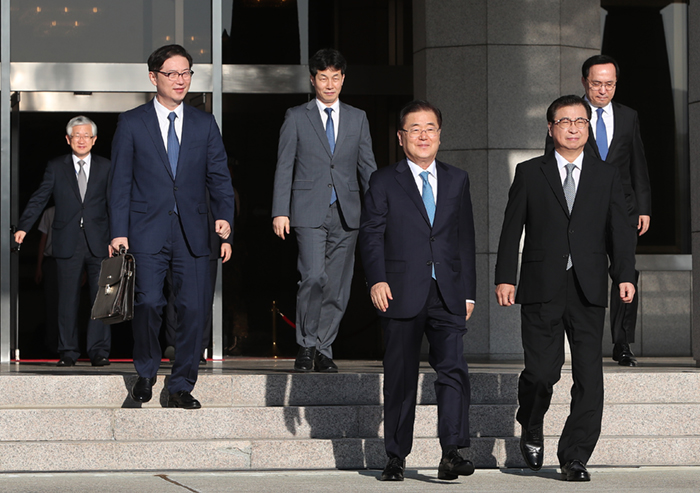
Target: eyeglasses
(173,76)
(567,122)
(596,84)
(415,132)
(82,137)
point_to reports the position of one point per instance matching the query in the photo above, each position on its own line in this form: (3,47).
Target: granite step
(287,389)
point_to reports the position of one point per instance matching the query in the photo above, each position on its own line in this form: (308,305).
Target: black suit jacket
(60,180)
(536,201)
(626,152)
(398,245)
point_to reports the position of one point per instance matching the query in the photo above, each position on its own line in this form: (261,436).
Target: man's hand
(222,228)
(643,224)
(19,236)
(626,292)
(280,225)
(116,242)
(225,252)
(505,294)
(381,294)
(470,310)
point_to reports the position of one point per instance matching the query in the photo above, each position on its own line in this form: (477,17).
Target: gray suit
(306,173)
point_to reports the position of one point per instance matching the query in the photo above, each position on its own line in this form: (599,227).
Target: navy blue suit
(399,246)
(80,233)
(142,208)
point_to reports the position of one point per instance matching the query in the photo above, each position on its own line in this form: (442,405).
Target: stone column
(694,138)
(493,67)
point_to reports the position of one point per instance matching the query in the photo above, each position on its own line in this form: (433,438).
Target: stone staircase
(87,422)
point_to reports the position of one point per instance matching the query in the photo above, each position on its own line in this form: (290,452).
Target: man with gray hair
(80,231)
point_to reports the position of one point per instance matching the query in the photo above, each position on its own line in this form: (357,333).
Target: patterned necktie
(570,194)
(330,135)
(601,135)
(429,202)
(82,179)
(173,144)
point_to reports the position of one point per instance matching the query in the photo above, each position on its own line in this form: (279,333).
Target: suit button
(432,238)
(332,166)
(571,231)
(330,185)
(175,188)
(430,262)
(170,213)
(564,256)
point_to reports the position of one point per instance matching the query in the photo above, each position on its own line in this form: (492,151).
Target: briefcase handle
(122,250)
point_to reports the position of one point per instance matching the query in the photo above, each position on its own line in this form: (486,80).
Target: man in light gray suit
(323,146)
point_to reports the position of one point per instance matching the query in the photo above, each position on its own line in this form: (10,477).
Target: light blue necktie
(330,135)
(173,144)
(429,202)
(570,194)
(601,135)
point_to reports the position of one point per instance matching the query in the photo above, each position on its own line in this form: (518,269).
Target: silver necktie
(82,179)
(570,194)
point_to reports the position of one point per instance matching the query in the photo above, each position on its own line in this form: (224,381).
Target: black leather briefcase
(114,302)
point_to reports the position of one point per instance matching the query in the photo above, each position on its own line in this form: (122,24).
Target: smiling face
(422,147)
(569,141)
(328,84)
(171,93)
(81,140)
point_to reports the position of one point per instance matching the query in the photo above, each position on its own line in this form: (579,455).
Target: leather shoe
(65,361)
(324,364)
(100,361)
(453,465)
(305,359)
(183,399)
(624,355)
(574,470)
(532,447)
(202,360)
(142,391)
(393,471)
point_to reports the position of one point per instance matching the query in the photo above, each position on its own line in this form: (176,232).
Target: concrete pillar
(694,138)
(493,67)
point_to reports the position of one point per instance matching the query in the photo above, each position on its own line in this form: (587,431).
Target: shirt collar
(86,159)
(606,109)
(163,112)
(417,170)
(561,162)
(322,107)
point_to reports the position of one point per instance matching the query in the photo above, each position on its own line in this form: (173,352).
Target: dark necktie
(330,135)
(173,144)
(570,194)
(601,135)
(429,202)
(82,179)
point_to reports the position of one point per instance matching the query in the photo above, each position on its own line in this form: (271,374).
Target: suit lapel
(586,181)
(96,172)
(343,125)
(551,173)
(150,120)
(444,179)
(71,177)
(316,123)
(408,183)
(617,124)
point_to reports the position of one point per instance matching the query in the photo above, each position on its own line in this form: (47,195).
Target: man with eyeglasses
(418,250)
(572,206)
(166,156)
(615,138)
(324,146)
(80,235)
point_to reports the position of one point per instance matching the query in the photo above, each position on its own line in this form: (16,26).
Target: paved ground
(646,479)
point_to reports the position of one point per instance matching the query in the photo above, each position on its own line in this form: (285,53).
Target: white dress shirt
(432,177)
(608,119)
(335,114)
(86,166)
(576,173)
(162,115)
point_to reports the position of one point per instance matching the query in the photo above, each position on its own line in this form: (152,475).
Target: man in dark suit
(614,137)
(166,156)
(80,239)
(570,204)
(417,246)
(316,193)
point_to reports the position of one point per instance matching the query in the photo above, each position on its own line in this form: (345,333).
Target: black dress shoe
(202,360)
(305,359)
(100,361)
(453,465)
(183,399)
(532,448)
(393,471)
(324,364)
(65,361)
(169,353)
(574,470)
(624,355)
(142,391)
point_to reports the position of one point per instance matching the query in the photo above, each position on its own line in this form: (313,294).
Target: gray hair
(80,120)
